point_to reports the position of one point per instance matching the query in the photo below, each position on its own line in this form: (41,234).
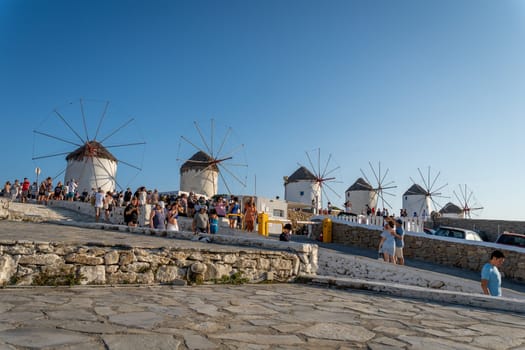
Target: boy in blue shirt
(490,275)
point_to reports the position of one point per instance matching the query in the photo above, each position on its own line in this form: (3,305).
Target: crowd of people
(165,209)
(205,212)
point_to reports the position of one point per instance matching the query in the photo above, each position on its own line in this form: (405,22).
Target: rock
(7,268)
(93,274)
(167,274)
(84,259)
(436,284)
(40,259)
(111,257)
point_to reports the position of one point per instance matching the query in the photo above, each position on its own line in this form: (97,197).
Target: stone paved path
(243,317)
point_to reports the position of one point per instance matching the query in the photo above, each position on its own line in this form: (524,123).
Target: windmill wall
(92,173)
(200,181)
(416,203)
(303,192)
(360,199)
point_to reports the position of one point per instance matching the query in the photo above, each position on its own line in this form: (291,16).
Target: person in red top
(25,190)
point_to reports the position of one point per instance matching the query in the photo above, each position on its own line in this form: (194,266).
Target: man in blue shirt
(490,275)
(398,236)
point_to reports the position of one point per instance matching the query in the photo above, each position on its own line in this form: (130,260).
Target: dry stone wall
(446,251)
(34,263)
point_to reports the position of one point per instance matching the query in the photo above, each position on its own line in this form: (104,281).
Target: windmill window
(301,193)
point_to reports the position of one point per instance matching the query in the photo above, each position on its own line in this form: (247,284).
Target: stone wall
(36,263)
(492,228)
(446,251)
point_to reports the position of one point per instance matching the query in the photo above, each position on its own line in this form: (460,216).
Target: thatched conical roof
(91,149)
(451,208)
(301,174)
(199,161)
(360,185)
(414,190)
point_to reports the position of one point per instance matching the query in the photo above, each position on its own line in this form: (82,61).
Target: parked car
(511,238)
(456,232)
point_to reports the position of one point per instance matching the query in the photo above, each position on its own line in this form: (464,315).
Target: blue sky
(410,84)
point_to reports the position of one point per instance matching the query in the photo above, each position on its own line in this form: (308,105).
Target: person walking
(490,275)
(400,242)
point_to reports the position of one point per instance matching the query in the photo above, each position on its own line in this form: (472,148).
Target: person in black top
(127,196)
(287,233)
(131,213)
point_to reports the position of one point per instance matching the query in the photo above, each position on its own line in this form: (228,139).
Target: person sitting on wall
(287,233)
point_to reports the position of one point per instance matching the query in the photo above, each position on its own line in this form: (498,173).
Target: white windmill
(451,210)
(382,185)
(421,201)
(90,164)
(467,202)
(201,172)
(361,195)
(308,186)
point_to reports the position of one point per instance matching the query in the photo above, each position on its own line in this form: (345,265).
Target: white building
(200,174)
(417,200)
(302,187)
(361,194)
(92,166)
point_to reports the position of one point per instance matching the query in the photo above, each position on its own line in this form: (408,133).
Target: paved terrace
(284,316)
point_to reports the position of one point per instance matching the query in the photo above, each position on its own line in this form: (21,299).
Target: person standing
(250,215)
(234,212)
(99,203)
(109,203)
(400,242)
(214,221)
(71,189)
(173,213)
(201,221)
(15,190)
(127,196)
(490,275)
(157,219)
(7,189)
(25,190)
(387,244)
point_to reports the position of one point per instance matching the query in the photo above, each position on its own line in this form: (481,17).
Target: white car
(456,232)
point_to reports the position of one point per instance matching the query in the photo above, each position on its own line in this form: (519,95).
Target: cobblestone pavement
(271,316)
